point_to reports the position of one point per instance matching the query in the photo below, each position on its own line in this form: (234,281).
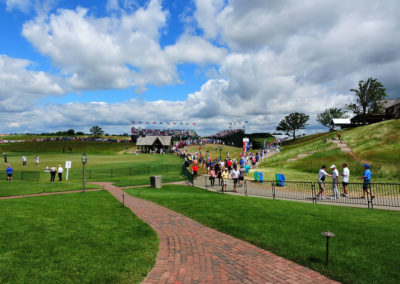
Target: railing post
(273,190)
(314,196)
(206,181)
(370,201)
(245,189)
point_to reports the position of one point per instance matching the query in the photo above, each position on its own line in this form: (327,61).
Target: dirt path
(343,146)
(190,252)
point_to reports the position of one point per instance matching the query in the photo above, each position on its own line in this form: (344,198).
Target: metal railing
(378,194)
(22,175)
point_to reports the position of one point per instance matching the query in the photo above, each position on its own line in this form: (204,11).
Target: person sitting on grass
(224,177)
(367,181)
(9,171)
(321,181)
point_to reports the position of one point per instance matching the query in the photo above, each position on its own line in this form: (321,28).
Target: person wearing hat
(367,181)
(53,171)
(60,171)
(321,181)
(335,181)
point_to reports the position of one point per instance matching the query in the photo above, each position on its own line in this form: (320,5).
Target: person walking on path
(345,179)
(235,177)
(224,176)
(24,161)
(335,182)
(367,181)
(212,176)
(340,135)
(195,169)
(60,171)
(242,171)
(321,181)
(37,160)
(53,171)
(5,158)
(9,171)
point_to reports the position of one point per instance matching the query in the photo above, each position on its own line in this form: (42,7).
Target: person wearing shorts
(242,171)
(235,177)
(345,180)
(367,181)
(9,171)
(321,181)
(224,176)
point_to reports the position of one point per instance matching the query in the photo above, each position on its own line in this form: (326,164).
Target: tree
(370,97)
(70,132)
(325,117)
(293,122)
(96,131)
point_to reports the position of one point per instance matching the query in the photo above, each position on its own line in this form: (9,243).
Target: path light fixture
(84,160)
(327,234)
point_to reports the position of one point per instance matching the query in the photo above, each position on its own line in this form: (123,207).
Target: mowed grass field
(105,162)
(73,238)
(376,144)
(364,250)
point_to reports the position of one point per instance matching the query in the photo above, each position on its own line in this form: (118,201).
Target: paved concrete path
(193,253)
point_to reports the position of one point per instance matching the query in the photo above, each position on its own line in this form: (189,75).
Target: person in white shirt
(321,181)
(335,182)
(37,160)
(345,179)
(60,171)
(235,176)
(24,161)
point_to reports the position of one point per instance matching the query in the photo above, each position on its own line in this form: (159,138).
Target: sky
(68,64)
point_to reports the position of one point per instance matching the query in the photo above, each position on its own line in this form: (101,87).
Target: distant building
(154,143)
(340,123)
(392,108)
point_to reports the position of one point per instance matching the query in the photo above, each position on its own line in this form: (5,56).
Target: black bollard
(327,234)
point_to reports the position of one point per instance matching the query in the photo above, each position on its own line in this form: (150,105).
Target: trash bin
(280,179)
(156,181)
(247,168)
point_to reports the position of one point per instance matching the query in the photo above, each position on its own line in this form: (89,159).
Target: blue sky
(75,64)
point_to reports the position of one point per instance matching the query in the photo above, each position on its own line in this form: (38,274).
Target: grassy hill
(378,144)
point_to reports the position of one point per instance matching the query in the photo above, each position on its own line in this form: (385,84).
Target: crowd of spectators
(175,133)
(226,132)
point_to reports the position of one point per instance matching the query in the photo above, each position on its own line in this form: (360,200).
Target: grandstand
(176,134)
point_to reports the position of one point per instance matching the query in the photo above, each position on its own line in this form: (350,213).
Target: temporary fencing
(377,194)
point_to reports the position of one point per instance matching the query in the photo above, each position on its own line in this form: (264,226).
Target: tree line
(370,97)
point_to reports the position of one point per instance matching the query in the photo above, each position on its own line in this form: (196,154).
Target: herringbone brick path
(193,253)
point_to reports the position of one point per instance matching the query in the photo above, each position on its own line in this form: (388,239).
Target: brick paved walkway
(193,253)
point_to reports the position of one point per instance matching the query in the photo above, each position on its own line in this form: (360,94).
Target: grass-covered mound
(377,144)
(365,249)
(73,238)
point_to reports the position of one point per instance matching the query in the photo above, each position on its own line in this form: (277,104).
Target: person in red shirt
(229,164)
(195,169)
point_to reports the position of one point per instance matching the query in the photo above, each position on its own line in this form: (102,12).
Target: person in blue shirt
(367,181)
(9,171)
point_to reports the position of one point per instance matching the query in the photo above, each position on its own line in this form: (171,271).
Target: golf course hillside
(377,144)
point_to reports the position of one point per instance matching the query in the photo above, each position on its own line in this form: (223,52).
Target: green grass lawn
(22,188)
(73,238)
(99,167)
(365,249)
